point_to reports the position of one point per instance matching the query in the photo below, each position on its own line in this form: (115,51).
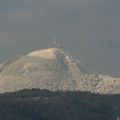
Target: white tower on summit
(54,41)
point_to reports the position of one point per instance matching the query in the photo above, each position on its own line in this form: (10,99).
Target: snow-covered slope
(52,69)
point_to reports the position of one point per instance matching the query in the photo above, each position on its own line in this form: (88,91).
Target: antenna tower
(54,41)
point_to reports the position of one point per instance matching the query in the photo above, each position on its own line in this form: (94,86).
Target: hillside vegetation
(38,104)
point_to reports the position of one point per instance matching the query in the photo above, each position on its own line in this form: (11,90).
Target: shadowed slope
(46,105)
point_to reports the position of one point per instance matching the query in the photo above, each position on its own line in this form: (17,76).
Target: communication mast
(54,41)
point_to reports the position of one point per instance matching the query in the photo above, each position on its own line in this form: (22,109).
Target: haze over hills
(52,69)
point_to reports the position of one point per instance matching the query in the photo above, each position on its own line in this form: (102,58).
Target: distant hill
(38,104)
(52,69)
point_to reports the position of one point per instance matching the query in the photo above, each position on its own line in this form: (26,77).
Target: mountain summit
(52,69)
(45,53)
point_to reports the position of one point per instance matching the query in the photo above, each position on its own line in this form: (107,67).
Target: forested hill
(38,104)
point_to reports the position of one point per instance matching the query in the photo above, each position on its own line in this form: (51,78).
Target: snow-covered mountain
(52,69)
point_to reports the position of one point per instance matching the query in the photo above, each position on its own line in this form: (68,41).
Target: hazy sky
(88,29)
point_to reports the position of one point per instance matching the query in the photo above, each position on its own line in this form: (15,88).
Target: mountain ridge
(52,69)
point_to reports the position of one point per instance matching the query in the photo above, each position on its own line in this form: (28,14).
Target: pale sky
(88,29)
